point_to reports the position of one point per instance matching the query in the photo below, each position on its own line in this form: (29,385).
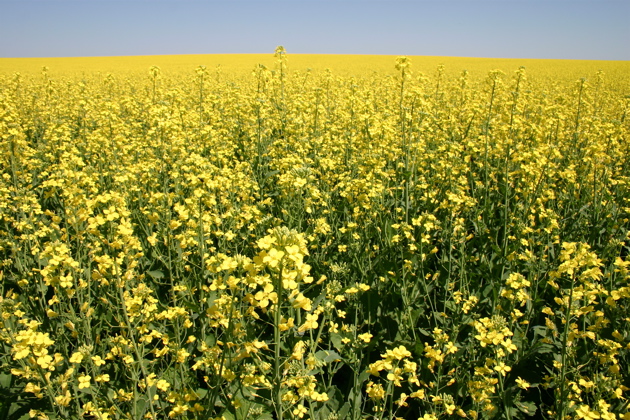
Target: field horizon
(340,64)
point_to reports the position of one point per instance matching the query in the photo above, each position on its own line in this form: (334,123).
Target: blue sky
(566,29)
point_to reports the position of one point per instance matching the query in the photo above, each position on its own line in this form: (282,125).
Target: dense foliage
(294,244)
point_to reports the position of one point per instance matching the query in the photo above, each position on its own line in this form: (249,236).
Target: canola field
(314,237)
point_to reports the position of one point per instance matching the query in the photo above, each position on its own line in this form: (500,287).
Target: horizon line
(324,54)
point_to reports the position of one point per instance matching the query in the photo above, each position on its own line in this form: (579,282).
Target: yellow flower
(584,412)
(44,361)
(375,391)
(402,63)
(20,351)
(102,378)
(502,368)
(287,324)
(523,384)
(419,394)
(64,400)
(266,242)
(98,361)
(399,353)
(272,258)
(84,381)
(310,324)
(302,302)
(402,401)
(298,350)
(163,385)
(76,357)
(34,389)
(299,411)
(395,376)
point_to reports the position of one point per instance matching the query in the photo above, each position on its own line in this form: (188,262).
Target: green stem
(563,368)
(276,339)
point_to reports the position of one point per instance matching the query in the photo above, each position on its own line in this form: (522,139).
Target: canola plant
(318,237)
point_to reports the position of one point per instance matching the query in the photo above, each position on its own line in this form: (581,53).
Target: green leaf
(424,332)
(355,397)
(488,290)
(334,399)
(250,403)
(336,340)
(363,377)
(156,274)
(5,380)
(526,407)
(543,348)
(201,392)
(418,348)
(540,330)
(343,413)
(326,356)
(140,408)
